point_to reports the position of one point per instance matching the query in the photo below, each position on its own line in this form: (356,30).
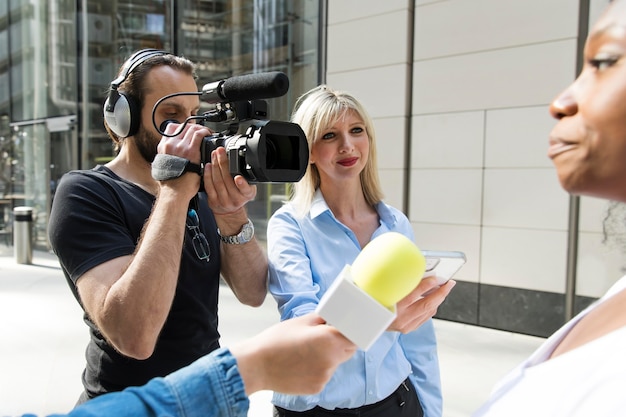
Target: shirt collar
(318,205)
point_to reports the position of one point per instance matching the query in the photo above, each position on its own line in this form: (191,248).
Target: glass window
(113,31)
(223,37)
(227,38)
(37,87)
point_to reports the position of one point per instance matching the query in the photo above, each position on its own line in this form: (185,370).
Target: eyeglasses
(200,244)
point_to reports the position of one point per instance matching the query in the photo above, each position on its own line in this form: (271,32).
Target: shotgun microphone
(246,87)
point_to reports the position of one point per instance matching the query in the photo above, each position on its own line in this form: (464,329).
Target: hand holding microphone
(361,302)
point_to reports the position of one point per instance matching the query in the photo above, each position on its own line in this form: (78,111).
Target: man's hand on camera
(186,146)
(227,195)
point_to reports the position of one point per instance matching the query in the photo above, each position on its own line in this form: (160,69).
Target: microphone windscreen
(255,86)
(388,268)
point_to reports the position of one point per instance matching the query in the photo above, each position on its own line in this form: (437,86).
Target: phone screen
(443,264)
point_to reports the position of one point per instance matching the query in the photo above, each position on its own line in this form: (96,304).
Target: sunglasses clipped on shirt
(200,244)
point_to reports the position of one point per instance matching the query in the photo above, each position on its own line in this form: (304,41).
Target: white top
(587,381)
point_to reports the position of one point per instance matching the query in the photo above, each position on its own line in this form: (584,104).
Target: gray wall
(461,113)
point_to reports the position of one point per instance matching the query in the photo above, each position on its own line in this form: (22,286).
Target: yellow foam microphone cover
(388,268)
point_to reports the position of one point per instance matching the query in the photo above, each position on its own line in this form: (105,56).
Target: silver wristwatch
(244,236)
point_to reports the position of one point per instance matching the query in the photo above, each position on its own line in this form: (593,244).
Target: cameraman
(144,257)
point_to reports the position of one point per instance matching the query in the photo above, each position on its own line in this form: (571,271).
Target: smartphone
(443,264)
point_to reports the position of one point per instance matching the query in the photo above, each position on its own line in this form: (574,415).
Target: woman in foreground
(581,369)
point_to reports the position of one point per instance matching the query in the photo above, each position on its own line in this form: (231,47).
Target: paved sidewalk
(43,341)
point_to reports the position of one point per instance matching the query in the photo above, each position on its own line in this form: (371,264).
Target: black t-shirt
(97,216)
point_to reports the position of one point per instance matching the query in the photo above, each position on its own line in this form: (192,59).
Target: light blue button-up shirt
(305,256)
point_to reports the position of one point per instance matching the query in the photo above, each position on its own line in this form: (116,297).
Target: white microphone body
(355,313)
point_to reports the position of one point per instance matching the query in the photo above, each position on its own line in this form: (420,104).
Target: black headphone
(121,111)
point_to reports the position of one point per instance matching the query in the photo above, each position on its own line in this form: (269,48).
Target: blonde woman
(335,210)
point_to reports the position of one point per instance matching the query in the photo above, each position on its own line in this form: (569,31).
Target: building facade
(459,91)
(58,58)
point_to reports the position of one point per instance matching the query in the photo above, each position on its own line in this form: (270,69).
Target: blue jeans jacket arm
(209,387)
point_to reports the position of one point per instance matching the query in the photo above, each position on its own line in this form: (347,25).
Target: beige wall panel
(495,79)
(449,140)
(596,7)
(522,258)
(381,90)
(426,2)
(459,27)
(450,196)
(392,183)
(518,138)
(390,140)
(347,10)
(366,43)
(524,198)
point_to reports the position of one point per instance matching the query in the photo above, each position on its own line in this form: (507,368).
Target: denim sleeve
(209,387)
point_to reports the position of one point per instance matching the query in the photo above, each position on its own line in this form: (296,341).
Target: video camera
(259,149)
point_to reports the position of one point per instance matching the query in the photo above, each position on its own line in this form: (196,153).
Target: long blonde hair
(315,111)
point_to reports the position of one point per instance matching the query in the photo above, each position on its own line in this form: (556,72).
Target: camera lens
(281,152)
(271,155)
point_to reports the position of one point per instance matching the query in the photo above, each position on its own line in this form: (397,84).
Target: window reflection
(57,59)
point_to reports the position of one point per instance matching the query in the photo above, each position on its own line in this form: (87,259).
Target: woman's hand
(420,305)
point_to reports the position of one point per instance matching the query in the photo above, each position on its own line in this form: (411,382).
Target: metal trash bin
(22,234)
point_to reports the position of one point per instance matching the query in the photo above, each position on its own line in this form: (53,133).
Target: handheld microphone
(361,301)
(246,87)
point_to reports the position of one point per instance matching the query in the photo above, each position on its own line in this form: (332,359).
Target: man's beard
(146,144)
